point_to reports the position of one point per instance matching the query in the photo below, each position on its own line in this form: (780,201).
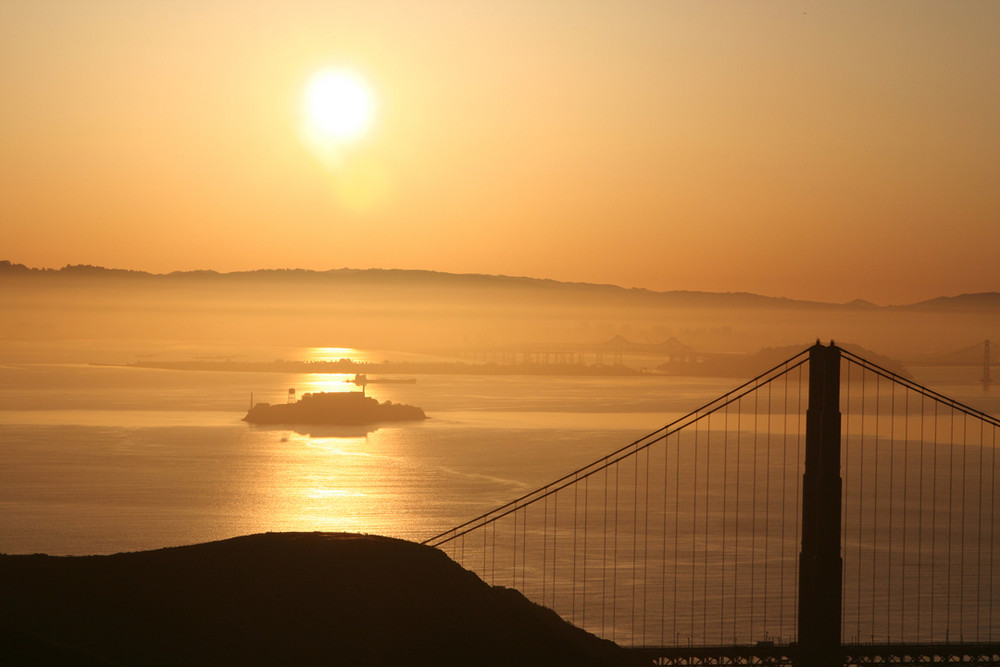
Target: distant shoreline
(687,364)
(347,366)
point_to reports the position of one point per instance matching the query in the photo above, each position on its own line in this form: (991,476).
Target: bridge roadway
(768,653)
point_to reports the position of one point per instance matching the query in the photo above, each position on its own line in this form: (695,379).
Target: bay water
(100,458)
(97,456)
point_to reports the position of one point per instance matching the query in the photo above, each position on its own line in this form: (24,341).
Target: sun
(338,105)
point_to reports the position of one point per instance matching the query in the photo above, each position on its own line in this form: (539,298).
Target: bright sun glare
(339,104)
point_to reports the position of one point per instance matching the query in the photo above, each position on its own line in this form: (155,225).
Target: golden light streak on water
(327,382)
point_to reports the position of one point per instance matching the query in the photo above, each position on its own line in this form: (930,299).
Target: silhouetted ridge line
(987,301)
(278,598)
(418,278)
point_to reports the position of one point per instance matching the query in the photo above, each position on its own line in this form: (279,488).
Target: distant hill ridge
(416,278)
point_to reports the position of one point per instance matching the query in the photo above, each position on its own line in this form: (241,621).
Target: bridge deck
(765,653)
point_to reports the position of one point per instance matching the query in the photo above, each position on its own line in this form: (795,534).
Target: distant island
(350,408)
(348,366)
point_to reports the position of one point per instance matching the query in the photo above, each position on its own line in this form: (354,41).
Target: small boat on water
(335,409)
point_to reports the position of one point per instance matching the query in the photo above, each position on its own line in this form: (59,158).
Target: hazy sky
(826,150)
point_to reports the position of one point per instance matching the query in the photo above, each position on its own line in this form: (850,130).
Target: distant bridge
(827,512)
(967,358)
(980,354)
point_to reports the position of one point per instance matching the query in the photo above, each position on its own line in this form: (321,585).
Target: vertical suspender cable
(920,518)
(846,454)
(614,560)
(604,558)
(704,574)
(979,534)
(861,498)
(524,545)
(934,526)
(993,525)
(892,463)
(961,553)
(576,513)
(663,563)
(767,507)
(736,532)
(951,505)
(875,490)
(784,480)
(694,528)
(586,523)
(545,546)
(513,570)
(753,514)
(798,493)
(555,553)
(677,510)
(645,552)
(635,532)
(725,498)
(906,451)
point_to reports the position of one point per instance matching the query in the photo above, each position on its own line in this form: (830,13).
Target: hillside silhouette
(280,598)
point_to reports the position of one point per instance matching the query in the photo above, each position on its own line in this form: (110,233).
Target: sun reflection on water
(338,488)
(327,382)
(322,494)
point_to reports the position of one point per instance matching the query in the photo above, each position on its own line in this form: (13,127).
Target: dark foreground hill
(279,598)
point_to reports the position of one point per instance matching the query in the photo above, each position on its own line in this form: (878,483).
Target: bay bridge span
(827,512)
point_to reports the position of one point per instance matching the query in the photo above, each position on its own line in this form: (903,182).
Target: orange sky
(812,150)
